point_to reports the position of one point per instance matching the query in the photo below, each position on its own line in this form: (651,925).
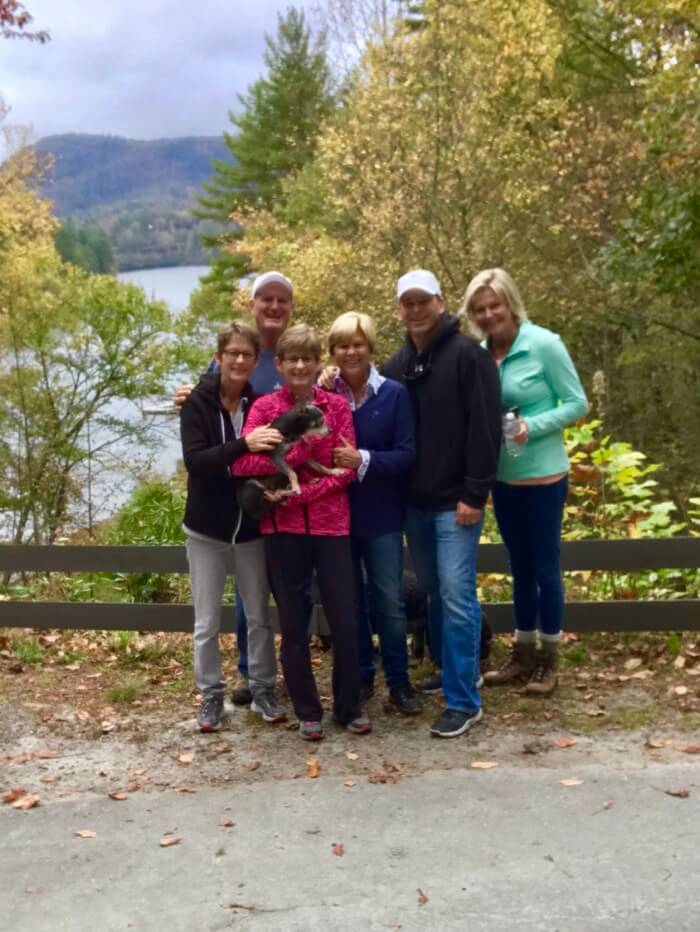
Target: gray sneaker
(311,731)
(211,712)
(266,704)
(360,725)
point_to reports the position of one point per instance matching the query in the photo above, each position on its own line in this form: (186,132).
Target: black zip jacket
(209,447)
(455,391)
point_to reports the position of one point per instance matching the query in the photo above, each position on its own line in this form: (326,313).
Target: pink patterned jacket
(322,507)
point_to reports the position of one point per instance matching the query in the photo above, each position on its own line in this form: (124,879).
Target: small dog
(303,420)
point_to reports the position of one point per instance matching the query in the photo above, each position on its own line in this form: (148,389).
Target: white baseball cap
(266,278)
(418,280)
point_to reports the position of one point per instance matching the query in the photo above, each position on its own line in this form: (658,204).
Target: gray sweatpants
(208,578)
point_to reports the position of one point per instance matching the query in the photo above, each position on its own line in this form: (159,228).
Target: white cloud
(137,68)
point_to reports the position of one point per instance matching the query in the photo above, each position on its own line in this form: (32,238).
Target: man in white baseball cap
(455,393)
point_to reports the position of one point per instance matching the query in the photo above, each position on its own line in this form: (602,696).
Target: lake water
(172,285)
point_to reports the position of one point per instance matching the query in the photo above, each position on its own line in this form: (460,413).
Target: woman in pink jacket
(311,530)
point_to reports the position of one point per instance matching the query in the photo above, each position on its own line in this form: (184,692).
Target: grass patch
(125,692)
(629,719)
(674,643)
(574,656)
(28,652)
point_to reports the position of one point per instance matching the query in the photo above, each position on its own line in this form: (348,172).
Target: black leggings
(291,559)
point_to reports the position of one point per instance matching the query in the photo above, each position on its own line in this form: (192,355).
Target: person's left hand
(466,515)
(346,456)
(521,436)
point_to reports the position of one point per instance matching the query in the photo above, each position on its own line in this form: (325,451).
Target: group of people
(414,448)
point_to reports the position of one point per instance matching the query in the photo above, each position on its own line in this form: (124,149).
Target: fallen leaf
(655,743)
(15,792)
(226,823)
(185,758)
(118,795)
(101,772)
(688,748)
(572,781)
(681,690)
(483,764)
(349,783)
(422,898)
(107,727)
(564,742)
(252,765)
(136,771)
(351,755)
(679,662)
(134,785)
(608,804)
(27,801)
(169,842)
(681,794)
(86,833)
(313,768)
(338,849)
(184,789)
(594,713)
(44,755)
(633,663)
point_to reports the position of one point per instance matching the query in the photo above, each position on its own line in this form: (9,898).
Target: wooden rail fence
(608,555)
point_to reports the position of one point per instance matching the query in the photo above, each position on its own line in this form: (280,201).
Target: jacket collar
(521,343)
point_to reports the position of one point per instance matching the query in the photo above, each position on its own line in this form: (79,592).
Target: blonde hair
(349,325)
(504,286)
(299,339)
(237,328)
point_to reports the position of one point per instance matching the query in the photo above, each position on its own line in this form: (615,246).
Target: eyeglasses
(245,355)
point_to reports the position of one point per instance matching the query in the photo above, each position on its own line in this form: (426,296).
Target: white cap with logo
(418,280)
(267,278)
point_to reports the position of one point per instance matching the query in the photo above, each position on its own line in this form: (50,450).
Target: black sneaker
(211,712)
(242,695)
(452,723)
(406,700)
(431,685)
(366,692)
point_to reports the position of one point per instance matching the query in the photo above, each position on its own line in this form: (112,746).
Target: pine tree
(276,132)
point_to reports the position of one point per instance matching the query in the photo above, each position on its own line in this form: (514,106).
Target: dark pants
(242,629)
(241,635)
(291,559)
(529,518)
(378,565)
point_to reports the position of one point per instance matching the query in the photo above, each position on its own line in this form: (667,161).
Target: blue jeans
(529,518)
(444,558)
(380,560)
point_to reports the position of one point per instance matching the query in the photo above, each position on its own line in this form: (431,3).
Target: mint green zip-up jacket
(540,380)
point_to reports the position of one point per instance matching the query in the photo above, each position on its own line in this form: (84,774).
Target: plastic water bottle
(511,426)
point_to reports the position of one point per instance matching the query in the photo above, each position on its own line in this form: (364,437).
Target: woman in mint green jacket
(540,395)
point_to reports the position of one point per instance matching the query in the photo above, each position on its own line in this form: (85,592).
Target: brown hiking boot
(544,680)
(518,668)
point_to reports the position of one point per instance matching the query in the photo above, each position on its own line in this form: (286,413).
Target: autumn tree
(15,21)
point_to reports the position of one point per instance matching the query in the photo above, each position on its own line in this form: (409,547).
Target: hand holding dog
(263,438)
(346,456)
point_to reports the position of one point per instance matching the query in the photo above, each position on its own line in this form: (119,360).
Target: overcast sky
(137,68)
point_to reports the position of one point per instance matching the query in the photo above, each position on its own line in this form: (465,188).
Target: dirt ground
(115,713)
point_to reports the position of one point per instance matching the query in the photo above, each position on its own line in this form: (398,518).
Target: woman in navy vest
(384,455)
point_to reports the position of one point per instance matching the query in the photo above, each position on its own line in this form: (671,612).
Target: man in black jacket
(455,392)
